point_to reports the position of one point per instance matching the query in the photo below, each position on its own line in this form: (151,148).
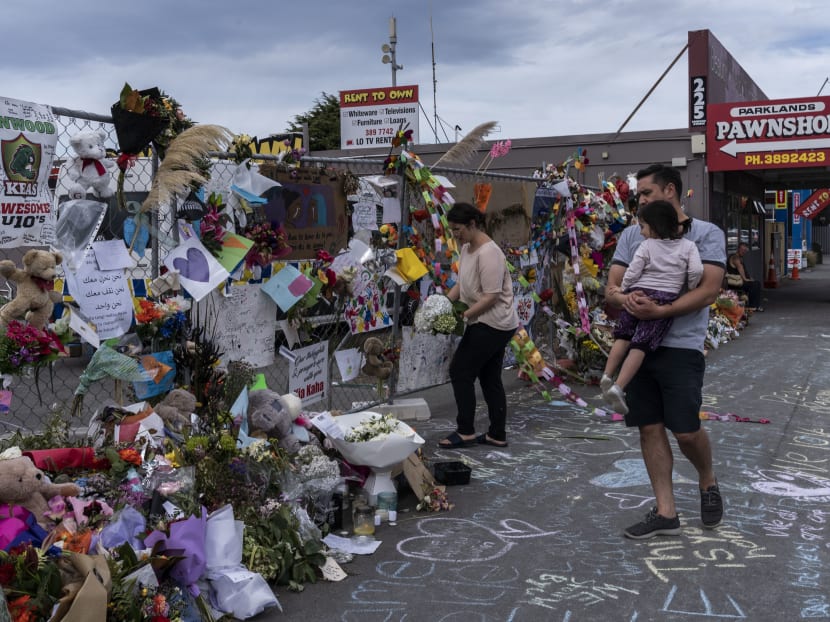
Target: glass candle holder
(364,521)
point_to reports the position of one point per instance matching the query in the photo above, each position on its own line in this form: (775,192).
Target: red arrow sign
(814,204)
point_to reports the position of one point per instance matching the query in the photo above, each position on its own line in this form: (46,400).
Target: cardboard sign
(312,208)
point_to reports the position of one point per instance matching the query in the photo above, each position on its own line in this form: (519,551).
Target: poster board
(425,359)
(243,325)
(312,208)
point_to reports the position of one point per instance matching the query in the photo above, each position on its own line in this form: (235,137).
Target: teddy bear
(35,297)
(89,168)
(375,364)
(274,414)
(23,484)
(175,409)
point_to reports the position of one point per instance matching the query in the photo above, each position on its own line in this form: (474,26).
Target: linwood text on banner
(28,136)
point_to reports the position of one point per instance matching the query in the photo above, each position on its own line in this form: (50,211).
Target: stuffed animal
(175,409)
(89,168)
(274,414)
(35,297)
(375,364)
(23,484)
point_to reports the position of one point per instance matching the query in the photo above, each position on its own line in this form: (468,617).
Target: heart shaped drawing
(194,267)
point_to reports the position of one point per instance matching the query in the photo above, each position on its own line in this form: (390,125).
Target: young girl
(662,267)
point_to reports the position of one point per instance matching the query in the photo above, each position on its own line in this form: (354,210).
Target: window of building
(744,222)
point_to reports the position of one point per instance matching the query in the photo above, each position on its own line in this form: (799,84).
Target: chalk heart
(629,472)
(454,540)
(194,266)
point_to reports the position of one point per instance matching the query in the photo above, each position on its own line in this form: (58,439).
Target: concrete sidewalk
(537,534)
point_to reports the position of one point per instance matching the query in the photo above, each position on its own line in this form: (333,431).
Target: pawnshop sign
(785,133)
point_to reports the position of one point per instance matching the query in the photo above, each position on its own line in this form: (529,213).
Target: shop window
(744,223)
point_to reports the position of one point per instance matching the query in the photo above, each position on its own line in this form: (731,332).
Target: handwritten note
(103,297)
(243,325)
(364,216)
(308,373)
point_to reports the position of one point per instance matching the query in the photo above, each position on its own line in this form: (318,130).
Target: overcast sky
(538,67)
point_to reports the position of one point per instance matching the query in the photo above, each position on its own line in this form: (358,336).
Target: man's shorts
(667,389)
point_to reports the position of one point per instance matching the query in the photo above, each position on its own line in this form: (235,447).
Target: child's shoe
(605,383)
(616,398)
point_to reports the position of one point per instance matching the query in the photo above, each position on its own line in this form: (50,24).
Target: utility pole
(389,51)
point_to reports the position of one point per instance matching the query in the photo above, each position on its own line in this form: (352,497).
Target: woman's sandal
(483,439)
(454,441)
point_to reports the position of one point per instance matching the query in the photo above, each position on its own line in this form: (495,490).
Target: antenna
(434,81)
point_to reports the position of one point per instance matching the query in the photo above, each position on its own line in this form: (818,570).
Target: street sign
(785,133)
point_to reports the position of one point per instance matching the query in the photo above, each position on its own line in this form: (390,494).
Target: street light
(389,51)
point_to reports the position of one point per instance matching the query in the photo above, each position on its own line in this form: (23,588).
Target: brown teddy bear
(23,484)
(36,297)
(375,364)
(175,409)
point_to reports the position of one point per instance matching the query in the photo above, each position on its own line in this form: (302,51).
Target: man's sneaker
(616,399)
(711,507)
(605,383)
(654,525)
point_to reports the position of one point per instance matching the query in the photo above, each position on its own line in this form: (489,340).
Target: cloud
(540,68)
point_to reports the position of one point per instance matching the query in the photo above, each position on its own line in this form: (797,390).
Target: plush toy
(274,414)
(89,168)
(35,297)
(375,364)
(23,484)
(175,409)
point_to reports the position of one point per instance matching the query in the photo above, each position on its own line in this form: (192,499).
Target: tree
(323,123)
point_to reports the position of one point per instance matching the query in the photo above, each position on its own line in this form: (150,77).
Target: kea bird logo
(21,159)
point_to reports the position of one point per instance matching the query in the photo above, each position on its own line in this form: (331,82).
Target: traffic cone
(772,277)
(794,276)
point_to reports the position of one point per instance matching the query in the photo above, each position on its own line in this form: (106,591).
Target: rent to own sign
(784,133)
(371,117)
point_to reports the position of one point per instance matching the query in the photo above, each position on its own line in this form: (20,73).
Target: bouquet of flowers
(139,117)
(164,321)
(212,225)
(25,346)
(242,149)
(372,429)
(270,244)
(438,314)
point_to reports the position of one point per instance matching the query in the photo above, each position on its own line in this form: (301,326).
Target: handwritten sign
(308,373)
(243,325)
(103,297)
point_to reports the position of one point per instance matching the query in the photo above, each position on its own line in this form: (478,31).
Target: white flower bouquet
(380,441)
(438,314)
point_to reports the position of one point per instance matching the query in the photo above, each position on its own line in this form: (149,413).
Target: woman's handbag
(734,280)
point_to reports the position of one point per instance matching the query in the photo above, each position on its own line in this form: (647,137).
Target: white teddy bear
(90,167)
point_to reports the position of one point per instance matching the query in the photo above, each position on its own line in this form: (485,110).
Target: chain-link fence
(51,390)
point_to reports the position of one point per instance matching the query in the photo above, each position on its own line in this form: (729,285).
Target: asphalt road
(537,533)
